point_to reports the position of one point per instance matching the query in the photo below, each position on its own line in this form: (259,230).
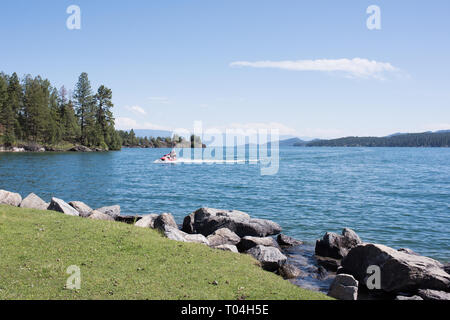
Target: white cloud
(357,67)
(137,110)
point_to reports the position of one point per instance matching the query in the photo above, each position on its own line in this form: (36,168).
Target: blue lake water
(399,197)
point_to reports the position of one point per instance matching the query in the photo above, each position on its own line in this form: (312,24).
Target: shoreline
(337,260)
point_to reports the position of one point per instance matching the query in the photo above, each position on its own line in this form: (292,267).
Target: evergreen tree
(15,98)
(6,113)
(84,106)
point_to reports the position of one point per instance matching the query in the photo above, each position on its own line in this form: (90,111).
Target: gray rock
(61,206)
(249,242)
(223,236)
(165,220)
(337,246)
(208,220)
(399,271)
(344,287)
(10,198)
(32,201)
(83,209)
(286,241)
(175,234)
(128,219)
(227,247)
(447,267)
(271,258)
(289,271)
(427,294)
(112,211)
(408,298)
(408,251)
(80,149)
(329,264)
(97,215)
(196,238)
(148,221)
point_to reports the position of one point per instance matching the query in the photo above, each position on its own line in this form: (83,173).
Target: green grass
(120,261)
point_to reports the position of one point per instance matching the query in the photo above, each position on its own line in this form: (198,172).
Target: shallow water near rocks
(399,197)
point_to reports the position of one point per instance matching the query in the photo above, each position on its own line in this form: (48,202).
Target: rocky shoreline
(348,268)
(39,148)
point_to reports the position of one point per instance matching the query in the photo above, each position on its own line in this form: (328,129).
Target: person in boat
(172,156)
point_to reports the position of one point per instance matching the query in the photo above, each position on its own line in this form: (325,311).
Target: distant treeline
(426,139)
(130,140)
(33,111)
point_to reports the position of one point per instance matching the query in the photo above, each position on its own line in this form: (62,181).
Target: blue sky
(169,63)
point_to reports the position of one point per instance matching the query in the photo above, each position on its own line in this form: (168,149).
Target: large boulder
(249,242)
(112,211)
(196,238)
(165,220)
(223,236)
(174,234)
(447,267)
(337,246)
(10,198)
(147,221)
(83,209)
(427,294)
(344,287)
(208,220)
(329,264)
(61,206)
(271,258)
(32,201)
(289,271)
(286,241)
(399,271)
(227,247)
(97,215)
(80,149)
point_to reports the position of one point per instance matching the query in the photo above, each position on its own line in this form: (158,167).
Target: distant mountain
(292,142)
(425,139)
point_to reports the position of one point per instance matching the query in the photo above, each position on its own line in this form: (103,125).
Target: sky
(306,68)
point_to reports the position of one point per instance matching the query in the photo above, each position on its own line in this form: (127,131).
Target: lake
(399,197)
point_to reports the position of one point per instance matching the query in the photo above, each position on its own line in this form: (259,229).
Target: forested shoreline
(33,112)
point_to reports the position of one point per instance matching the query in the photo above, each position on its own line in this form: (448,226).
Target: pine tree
(84,106)
(7,119)
(104,116)
(15,101)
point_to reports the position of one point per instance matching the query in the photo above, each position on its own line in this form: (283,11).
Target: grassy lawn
(119,261)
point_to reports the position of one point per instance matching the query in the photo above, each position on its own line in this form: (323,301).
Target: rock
(249,242)
(289,271)
(165,220)
(97,215)
(408,298)
(83,209)
(80,149)
(447,267)
(399,271)
(286,241)
(208,220)
(112,211)
(270,257)
(337,246)
(227,247)
(408,251)
(17,149)
(427,294)
(344,287)
(196,238)
(32,201)
(61,206)
(329,264)
(223,236)
(132,219)
(10,198)
(147,221)
(175,234)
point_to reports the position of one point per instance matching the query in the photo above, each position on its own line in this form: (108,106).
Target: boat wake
(208,161)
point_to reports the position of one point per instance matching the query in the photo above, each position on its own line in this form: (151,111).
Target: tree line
(129,139)
(33,111)
(426,139)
